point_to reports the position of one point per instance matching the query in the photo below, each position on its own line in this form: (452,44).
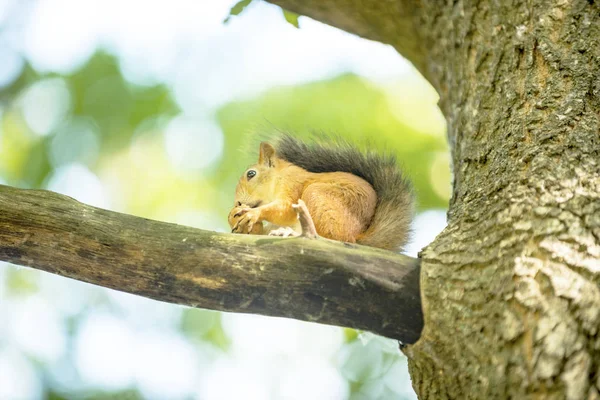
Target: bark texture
(314,280)
(511,289)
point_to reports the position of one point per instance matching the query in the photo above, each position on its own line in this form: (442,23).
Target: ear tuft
(266,154)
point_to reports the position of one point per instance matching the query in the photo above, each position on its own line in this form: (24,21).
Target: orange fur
(341,204)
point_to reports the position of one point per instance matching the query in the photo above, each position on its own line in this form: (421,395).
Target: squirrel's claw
(246,222)
(241,212)
(284,232)
(234,217)
(239,226)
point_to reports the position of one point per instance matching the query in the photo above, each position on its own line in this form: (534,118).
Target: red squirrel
(352,196)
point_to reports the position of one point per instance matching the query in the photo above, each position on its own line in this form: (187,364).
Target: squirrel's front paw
(235,214)
(248,222)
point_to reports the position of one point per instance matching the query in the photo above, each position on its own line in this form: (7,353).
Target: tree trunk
(511,288)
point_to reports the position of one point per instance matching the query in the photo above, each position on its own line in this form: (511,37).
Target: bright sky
(177,40)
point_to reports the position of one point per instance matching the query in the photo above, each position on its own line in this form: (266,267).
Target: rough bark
(314,280)
(511,288)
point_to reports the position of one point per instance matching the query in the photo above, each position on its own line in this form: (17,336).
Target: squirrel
(352,196)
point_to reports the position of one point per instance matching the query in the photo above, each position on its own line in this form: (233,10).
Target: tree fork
(315,280)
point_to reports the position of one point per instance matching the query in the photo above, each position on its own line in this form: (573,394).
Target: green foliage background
(127,117)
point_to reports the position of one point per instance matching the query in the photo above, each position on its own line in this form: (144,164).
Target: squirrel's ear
(266,155)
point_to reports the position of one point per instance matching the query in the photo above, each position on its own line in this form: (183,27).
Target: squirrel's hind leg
(332,217)
(307,225)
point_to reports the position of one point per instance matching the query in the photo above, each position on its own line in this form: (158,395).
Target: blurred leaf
(291,17)
(16,142)
(371,390)
(23,157)
(361,363)
(55,396)
(389,346)
(99,95)
(217,336)
(118,107)
(28,76)
(37,167)
(375,391)
(197,323)
(21,281)
(127,394)
(238,8)
(350,334)
(130,394)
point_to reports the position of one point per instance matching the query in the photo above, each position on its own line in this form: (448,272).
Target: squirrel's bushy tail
(390,226)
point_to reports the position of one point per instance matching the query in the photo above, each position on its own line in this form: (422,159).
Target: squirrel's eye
(250,174)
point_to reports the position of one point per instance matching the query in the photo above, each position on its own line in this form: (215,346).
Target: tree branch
(306,279)
(394,22)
